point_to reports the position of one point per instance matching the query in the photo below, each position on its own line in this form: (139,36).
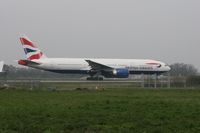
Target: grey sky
(166,30)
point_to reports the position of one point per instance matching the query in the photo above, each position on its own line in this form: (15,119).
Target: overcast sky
(166,30)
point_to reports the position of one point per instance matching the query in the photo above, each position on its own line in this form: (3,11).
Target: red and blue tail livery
(30,49)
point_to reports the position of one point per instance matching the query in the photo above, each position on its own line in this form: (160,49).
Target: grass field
(111,110)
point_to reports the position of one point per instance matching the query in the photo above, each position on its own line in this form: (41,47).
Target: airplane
(96,68)
(1,66)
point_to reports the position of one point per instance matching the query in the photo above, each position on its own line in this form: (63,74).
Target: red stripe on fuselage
(24,41)
(35,56)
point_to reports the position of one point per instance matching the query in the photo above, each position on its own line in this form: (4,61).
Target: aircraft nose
(168,68)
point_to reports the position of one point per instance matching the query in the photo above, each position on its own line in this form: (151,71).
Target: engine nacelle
(117,73)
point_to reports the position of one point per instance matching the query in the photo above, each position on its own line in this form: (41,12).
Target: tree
(181,69)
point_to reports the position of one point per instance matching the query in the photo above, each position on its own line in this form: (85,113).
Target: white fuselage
(76,65)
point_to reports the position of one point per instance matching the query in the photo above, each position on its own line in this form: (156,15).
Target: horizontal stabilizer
(27,62)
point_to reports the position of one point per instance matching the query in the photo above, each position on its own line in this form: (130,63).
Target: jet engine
(116,73)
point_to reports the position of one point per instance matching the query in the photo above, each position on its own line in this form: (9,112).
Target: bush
(193,80)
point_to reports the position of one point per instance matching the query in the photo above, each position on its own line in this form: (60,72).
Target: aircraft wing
(97,66)
(1,66)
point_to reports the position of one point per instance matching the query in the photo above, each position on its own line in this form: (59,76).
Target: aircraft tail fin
(31,50)
(1,66)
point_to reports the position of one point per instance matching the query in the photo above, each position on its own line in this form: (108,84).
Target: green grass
(111,110)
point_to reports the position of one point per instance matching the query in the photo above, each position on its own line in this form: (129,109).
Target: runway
(71,81)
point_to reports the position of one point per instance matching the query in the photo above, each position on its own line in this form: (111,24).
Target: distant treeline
(193,80)
(184,75)
(181,69)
